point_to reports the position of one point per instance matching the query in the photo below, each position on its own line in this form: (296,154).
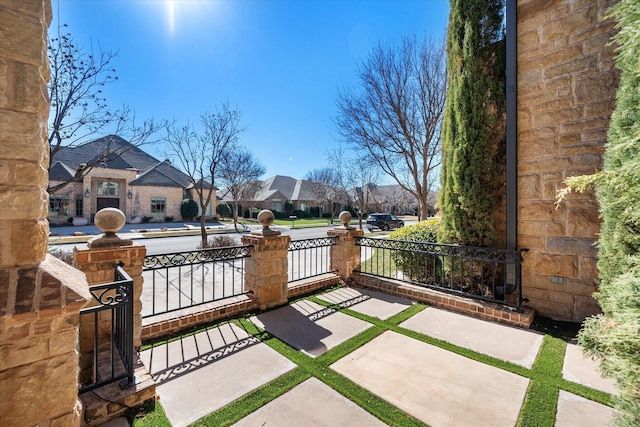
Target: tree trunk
(423,210)
(235,216)
(203,230)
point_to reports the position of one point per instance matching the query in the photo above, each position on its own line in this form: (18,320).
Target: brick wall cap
(69,277)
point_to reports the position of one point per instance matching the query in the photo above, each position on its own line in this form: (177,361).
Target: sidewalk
(80,234)
(392,363)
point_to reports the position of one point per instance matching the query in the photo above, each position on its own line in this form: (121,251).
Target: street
(160,245)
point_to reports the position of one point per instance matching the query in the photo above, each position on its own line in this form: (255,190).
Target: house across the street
(123,176)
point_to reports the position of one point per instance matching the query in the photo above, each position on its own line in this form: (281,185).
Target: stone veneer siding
(566,93)
(40,296)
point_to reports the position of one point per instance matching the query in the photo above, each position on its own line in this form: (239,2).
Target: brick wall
(566,93)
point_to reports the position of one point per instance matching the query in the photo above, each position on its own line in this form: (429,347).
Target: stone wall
(566,93)
(142,201)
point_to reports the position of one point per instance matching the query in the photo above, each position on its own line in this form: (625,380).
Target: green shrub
(418,266)
(168,218)
(188,209)
(223,209)
(614,336)
(423,231)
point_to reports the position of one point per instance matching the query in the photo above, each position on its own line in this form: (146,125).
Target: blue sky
(280,62)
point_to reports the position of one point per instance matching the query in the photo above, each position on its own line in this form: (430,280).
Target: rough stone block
(22,352)
(581,287)
(583,219)
(585,307)
(577,245)
(27,242)
(542,165)
(531,227)
(588,268)
(554,117)
(529,187)
(540,211)
(554,310)
(561,297)
(556,264)
(531,242)
(554,229)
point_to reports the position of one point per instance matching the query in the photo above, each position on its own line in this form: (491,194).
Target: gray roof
(60,172)
(281,186)
(115,153)
(290,188)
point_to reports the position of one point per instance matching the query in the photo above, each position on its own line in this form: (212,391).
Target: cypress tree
(474,135)
(614,335)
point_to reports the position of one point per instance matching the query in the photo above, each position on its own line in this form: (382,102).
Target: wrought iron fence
(482,273)
(310,257)
(113,352)
(174,281)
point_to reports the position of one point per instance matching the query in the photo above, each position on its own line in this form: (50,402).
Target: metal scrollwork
(107,296)
(320,242)
(195,257)
(439,249)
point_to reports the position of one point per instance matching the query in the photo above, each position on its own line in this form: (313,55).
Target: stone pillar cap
(266,218)
(109,220)
(345,219)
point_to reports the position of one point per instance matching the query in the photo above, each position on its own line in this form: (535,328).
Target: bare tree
(324,185)
(239,171)
(395,116)
(357,178)
(79,108)
(200,154)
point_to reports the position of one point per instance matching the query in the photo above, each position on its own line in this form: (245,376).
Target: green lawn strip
(541,400)
(150,415)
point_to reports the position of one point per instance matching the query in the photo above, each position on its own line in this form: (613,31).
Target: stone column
(266,270)
(40,296)
(345,255)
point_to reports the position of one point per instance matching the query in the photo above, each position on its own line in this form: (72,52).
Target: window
(158,205)
(79,204)
(59,204)
(107,188)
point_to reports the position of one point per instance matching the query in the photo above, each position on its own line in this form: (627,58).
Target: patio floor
(428,365)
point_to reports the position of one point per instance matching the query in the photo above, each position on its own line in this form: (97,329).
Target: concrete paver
(434,385)
(329,408)
(577,411)
(310,327)
(584,370)
(519,346)
(199,374)
(369,302)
